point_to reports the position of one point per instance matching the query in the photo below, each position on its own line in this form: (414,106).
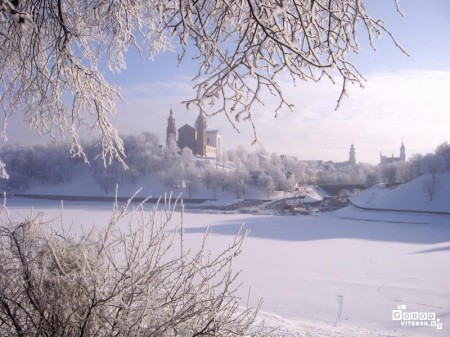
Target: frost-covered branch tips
(118,281)
(53,53)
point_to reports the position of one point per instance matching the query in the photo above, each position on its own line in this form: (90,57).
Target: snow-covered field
(333,274)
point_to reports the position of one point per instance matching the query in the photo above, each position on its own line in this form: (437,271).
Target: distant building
(202,142)
(171,132)
(388,160)
(187,137)
(213,143)
(352,156)
(350,162)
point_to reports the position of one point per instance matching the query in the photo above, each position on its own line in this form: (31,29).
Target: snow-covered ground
(410,196)
(331,274)
(303,267)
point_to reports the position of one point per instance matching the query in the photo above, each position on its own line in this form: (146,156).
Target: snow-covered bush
(137,281)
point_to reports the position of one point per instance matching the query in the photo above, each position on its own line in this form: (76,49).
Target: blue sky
(405,98)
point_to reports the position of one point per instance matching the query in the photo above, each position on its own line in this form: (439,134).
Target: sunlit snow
(328,274)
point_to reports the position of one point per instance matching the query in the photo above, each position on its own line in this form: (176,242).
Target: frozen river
(334,274)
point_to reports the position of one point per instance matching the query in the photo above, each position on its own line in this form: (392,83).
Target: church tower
(200,126)
(171,132)
(352,156)
(402,152)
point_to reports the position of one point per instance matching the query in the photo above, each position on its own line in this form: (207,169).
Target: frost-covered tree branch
(53,54)
(245,46)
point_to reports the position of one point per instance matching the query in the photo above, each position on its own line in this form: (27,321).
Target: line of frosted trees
(417,165)
(233,172)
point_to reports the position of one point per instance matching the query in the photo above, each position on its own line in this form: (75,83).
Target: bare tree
(142,281)
(433,164)
(389,173)
(429,183)
(443,150)
(53,54)
(266,181)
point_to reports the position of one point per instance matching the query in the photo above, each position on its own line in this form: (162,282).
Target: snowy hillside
(412,196)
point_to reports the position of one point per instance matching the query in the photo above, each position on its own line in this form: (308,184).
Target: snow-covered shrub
(136,281)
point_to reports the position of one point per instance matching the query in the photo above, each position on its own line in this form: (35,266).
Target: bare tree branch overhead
(54,52)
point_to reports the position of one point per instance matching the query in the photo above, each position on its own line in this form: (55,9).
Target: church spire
(200,126)
(171,133)
(352,155)
(402,152)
